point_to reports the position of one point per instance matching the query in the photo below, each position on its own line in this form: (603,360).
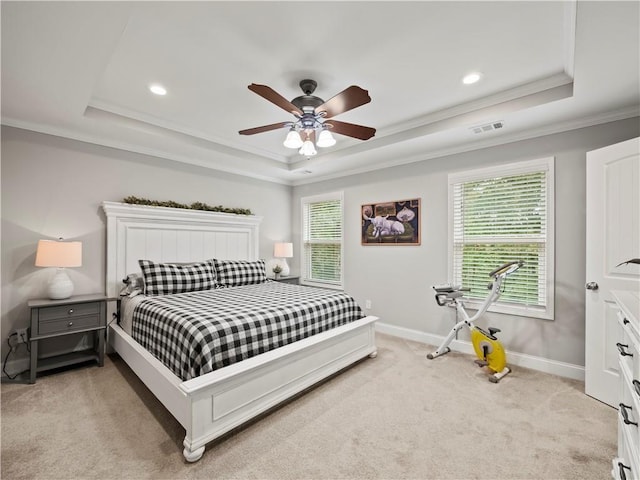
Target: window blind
(497,220)
(322,238)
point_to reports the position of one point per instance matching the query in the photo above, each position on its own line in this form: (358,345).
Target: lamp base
(60,286)
(285,267)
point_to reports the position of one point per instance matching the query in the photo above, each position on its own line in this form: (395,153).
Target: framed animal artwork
(391,223)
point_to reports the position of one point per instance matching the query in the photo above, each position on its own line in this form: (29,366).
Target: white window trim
(516,168)
(322,198)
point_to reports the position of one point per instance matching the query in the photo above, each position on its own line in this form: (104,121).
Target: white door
(613,236)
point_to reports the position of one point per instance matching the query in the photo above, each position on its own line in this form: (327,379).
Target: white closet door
(613,236)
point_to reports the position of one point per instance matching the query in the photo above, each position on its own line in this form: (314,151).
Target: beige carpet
(399,416)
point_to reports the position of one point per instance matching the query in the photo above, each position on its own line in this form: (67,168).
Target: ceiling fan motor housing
(308,86)
(307,102)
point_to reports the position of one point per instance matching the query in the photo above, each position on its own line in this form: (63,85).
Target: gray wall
(53,187)
(398,279)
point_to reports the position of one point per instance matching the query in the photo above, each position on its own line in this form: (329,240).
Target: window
(497,215)
(322,240)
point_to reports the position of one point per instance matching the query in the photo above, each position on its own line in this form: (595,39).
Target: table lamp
(59,254)
(283,251)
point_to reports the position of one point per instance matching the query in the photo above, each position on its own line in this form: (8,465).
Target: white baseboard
(546,365)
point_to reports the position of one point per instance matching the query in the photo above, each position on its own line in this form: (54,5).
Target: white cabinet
(626,466)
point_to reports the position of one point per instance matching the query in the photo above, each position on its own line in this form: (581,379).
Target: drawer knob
(623,352)
(70,311)
(70,324)
(625,415)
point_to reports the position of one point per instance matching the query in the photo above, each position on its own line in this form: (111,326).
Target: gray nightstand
(56,318)
(294,279)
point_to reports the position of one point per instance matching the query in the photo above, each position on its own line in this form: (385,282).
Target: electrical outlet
(23,336)
(367,304)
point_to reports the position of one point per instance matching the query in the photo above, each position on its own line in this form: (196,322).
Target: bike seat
(446,288)
(493,331)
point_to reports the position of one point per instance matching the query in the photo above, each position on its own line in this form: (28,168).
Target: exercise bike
(486,345)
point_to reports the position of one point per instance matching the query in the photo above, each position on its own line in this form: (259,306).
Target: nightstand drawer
(69,324)
(69,311)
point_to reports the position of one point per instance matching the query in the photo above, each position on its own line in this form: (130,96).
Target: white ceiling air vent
(488,127)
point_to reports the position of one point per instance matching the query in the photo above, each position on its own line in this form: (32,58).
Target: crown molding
(560,127)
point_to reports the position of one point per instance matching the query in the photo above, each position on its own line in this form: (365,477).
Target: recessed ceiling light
(471,78)
(157,89)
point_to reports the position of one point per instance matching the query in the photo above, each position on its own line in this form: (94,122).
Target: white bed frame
(211,405)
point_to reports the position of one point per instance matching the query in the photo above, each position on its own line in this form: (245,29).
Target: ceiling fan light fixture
(325,139)
(310,112)
(307,149)
(293,139)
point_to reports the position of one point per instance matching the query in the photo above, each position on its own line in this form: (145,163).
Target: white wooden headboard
(173,235)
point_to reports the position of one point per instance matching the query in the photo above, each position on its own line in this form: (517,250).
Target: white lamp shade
(307,149)
(293,140)
(52,253)
(283,250)
(325,139)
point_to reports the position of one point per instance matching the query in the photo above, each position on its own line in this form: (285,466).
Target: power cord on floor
(12,348)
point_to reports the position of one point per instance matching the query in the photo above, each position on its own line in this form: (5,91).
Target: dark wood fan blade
(351,129)
(264,128)
(274,97)
(346,100)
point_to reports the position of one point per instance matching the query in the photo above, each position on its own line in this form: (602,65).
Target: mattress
(196,333)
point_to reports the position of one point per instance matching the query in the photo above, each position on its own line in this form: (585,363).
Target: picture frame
(391,223)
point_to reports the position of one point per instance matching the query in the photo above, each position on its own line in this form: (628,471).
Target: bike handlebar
(506,269)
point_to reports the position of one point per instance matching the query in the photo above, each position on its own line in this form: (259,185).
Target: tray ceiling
(82,70)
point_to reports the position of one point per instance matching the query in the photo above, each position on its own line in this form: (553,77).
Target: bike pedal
(481,363)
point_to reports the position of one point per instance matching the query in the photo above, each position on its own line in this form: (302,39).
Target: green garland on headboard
(194,206)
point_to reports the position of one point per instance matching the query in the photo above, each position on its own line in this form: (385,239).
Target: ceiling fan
(313,115)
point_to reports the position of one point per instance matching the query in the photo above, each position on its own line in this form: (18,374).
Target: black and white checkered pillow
(235,273)
(167,278)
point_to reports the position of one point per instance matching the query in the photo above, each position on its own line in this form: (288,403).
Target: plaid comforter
(197,332)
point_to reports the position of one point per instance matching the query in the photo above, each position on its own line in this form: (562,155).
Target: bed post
(191,455)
